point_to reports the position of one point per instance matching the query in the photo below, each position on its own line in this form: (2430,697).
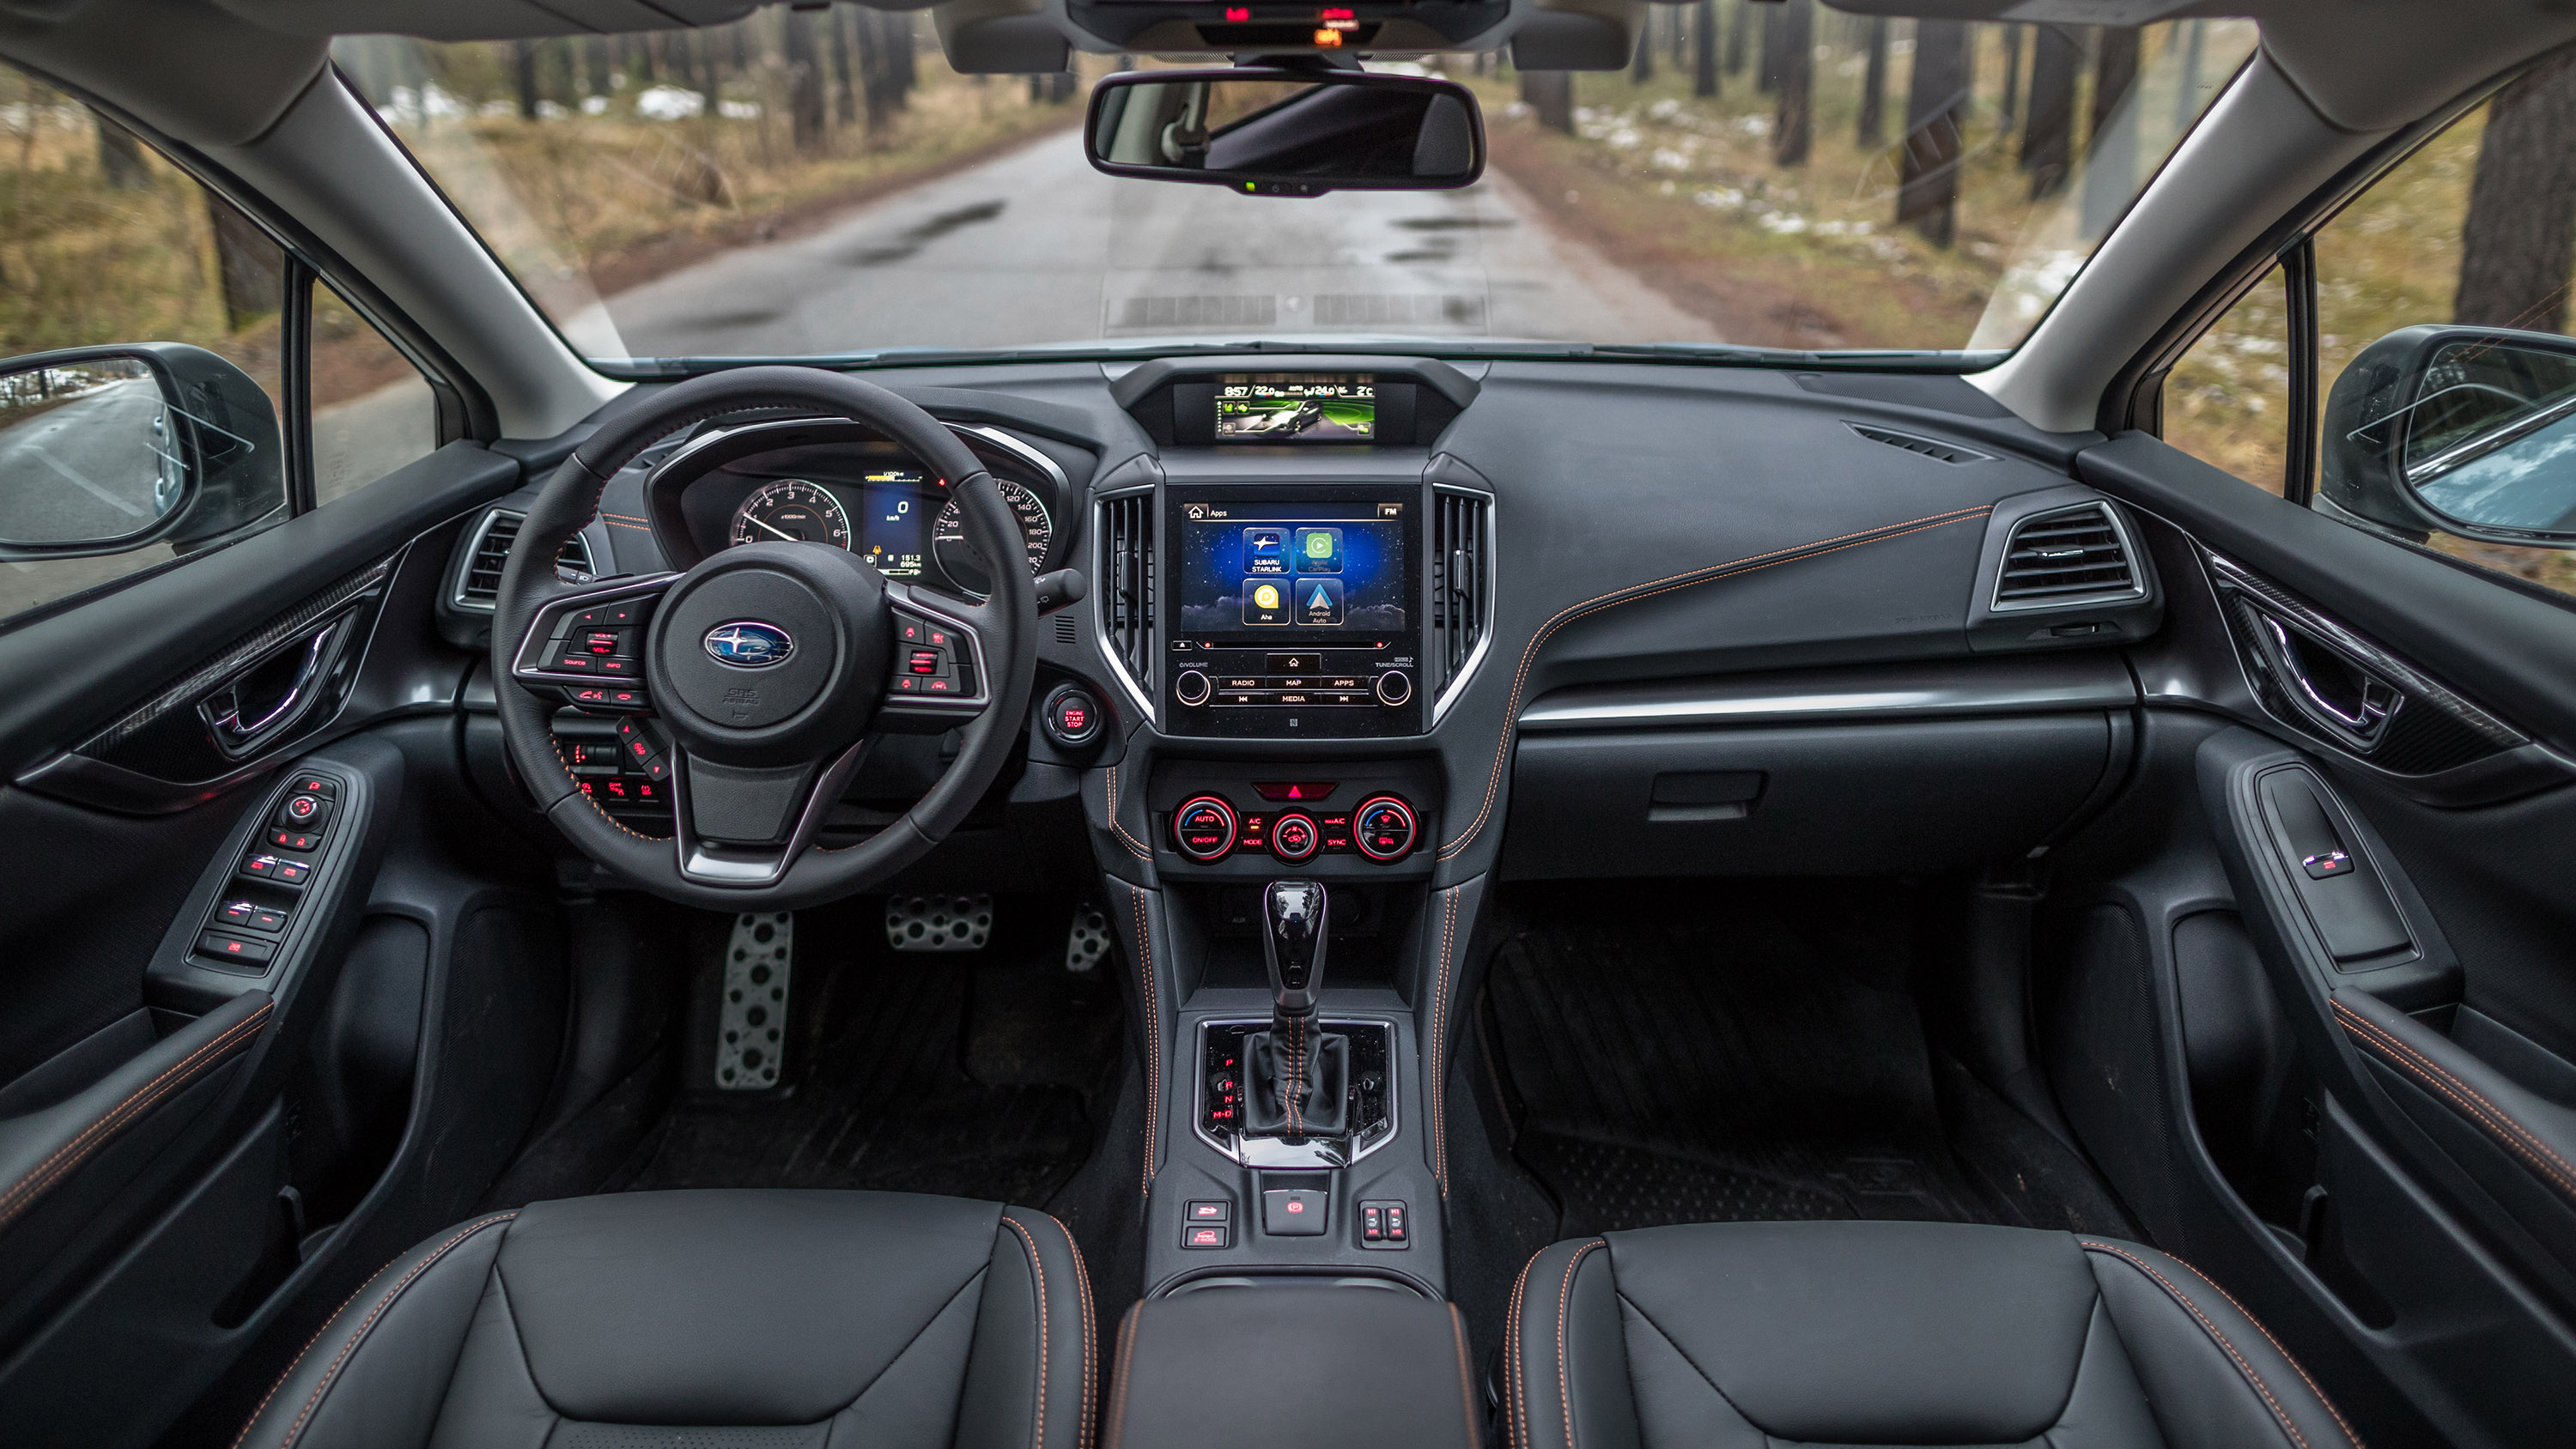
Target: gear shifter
(1299,1075)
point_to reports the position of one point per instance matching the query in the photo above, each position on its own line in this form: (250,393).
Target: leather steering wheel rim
(1006,623)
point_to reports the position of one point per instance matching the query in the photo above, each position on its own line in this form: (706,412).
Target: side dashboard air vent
(1462,583)
(2066,557)
(1127,585)
(479,583)
(1942,452)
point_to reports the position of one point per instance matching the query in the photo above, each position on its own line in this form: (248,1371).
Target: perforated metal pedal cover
(1088,940)
(939,922)
(752,1023)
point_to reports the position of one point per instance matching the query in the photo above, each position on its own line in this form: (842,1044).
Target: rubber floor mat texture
(1707,1052)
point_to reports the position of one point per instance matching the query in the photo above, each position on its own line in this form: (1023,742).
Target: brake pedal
(939,922)
(1088,940)
(751,1027)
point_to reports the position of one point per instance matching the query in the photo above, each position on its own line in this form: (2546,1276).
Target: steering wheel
(773,667)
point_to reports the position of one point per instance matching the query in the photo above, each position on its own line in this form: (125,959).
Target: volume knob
(1191,687)
(1394,687)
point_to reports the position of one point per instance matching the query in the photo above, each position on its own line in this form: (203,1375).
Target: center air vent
(1127,587)
(1462,584)
(480,581)
(2067,558)
(1944,452)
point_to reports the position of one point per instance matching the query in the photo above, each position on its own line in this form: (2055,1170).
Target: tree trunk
(710,77)
(2516,245)
(876,68)
(1550,96)
(523,69)
(899,52)
(1641,67)
(594,54)
(2111,142)
(845,81)
(1742,17)
(2187,92)
(249,268)
(1704,48)
(1767,77)
(2048,129)
(1873,85)
(1793,133)
(2011,106)
(809,119)
(120,157)
(1935,101)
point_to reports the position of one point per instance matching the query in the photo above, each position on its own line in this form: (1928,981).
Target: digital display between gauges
(897,534)
(899,519)
(1296,410)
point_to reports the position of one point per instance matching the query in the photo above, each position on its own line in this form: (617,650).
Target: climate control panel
(1294,822)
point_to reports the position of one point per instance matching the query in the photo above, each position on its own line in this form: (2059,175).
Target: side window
(2227,401)
(2455,431)
(148,340)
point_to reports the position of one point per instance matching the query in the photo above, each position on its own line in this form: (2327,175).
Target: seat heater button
(1293,1212)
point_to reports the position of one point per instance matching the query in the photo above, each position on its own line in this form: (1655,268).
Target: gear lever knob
(1292,943)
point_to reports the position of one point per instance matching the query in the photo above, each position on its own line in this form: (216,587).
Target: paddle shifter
(1297,1076)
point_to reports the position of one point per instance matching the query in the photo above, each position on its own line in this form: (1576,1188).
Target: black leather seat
(743,1320)
(1753,1334)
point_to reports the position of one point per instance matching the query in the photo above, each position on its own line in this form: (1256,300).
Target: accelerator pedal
(1088,941)
(939,922)
(751,1026)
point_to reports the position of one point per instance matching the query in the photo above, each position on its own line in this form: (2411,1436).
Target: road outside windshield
(1778,175)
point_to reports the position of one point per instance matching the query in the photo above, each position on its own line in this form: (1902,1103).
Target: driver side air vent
(479,583)
(1127,583)
(1462,583)
(2070,556)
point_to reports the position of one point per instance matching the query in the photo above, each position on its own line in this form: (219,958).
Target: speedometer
(791,510)
(958,557)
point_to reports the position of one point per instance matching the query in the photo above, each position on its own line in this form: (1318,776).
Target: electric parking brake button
(1292,1212)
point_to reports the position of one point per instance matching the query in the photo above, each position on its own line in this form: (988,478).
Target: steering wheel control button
(1191,688)
(1293,1212)
(1203,828)
(1293,837)
(1383,828)
(1394,687)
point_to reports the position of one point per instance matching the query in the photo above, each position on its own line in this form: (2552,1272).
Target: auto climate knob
(1382,828)
(1191,687)
(1293,836)
(1203,828)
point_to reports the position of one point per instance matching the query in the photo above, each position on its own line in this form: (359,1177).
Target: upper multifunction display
(1294,613)
(1305,408)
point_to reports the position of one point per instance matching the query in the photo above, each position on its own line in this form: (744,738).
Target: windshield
(820,183)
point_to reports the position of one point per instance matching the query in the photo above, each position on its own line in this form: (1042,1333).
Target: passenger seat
(1720,1335)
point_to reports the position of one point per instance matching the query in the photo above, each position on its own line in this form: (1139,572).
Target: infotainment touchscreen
(1333,573)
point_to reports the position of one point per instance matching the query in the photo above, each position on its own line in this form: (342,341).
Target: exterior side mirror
(1278,131)
(108,449)
(2466,430)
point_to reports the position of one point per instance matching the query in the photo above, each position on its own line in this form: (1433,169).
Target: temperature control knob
(1191,687)
(1203,828)
(1382,828)
(1293,836)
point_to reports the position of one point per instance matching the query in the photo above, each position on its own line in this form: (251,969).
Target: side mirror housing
(1283,131)
(108,449)
(2462,430)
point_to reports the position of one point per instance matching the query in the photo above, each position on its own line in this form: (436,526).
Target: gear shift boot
(1318,1061)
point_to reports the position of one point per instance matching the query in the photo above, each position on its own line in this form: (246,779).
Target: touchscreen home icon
(1319,602)
(1265,601)
(1265,550)
(1319,550)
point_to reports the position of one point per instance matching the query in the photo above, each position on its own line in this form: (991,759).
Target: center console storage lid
(1352,1367)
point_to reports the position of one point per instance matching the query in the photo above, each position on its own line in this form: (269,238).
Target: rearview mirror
(1278,132)
(107,449)
(2466,430)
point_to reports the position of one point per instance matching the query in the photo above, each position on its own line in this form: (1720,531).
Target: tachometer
(948,537)
(791,510)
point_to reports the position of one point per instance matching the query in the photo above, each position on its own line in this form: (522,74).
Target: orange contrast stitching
(2277,1346)
(331,1375)
(2499,1125)
(1038,1271)
(1516,1385)
(1090,1330)
(1118,826)
(1632,593)
(2243,1366)
(1564,1298)
(1153,1034)
(1440,1048)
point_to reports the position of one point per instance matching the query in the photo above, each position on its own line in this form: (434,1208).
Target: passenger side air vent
(1127,586)
(1462,584)
(2068,557)
(478,584)
(1944,452)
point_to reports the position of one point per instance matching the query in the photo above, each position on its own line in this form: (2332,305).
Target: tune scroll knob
(1191,687)
(1394,687)
(1383,828)
(1293,836)
(1204,828)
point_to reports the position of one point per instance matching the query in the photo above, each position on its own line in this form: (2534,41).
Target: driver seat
(771,1319)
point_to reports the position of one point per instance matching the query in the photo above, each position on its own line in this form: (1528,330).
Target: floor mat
(962,1073)
(1721,1052)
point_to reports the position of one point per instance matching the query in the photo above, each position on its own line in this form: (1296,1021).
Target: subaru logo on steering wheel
(749,644)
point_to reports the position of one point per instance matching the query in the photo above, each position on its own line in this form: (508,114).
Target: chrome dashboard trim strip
(1100,586)
(1934,690)
(1453,688)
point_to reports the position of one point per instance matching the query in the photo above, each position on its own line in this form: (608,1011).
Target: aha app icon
(1265,550)
(1265,602)
(1319,602)
(1319,550)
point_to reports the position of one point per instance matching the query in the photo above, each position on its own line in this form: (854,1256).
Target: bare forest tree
(120,157)
(595,60)
(2048,129)
(2111,141)
(1736,27)
(1873,84)
(250,271)
(809,118)
(523,70)
(845,92)
(2010,106)
(1641,66)
(1793,132)
(1936,101)
(1704,48)
(1550,96)
(2516,243)
(1767,77)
